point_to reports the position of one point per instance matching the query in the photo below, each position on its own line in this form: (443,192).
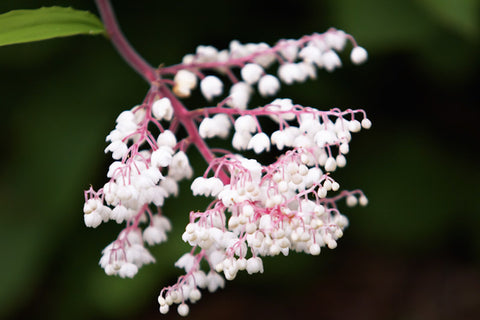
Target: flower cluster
(257,210)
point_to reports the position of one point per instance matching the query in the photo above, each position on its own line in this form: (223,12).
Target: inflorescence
(257,210)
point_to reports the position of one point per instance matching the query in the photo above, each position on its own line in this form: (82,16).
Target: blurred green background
(412,253)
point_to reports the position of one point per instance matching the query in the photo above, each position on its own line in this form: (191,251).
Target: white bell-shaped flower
(254,265)
(311,54)
(291,72)
(246,123)
(268,85)
(211,87)
(241,139)
(167,138)
(162,109)
(93,219)
(128,270)
(336,39)
(206,54)
(118,148)
(331,60)
(259,143)
(240,94)
(162,157)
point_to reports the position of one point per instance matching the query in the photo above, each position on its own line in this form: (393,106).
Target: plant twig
(121,43)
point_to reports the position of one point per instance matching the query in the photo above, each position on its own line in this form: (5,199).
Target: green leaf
(20,26)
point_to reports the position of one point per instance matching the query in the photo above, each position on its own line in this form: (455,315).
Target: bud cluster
(257,210)
(298,61)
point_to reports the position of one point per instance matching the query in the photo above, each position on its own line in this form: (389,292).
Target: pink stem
(121,44)
(184,117)
(149,73)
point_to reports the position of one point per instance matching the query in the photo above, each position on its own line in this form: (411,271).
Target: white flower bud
(351,200)
(251,73)
(344,148)
(195,295)
(354,126)
(322,192)
(167,138)
(164,309)
(168,299)
(335,186)
(327,184)
(283,186)
(363,200)
(332,244)
(250,228)
(183,309)
(206,54)
(268,85)
(314,249)
(188,59)
(161,301)
(248,210)
(338,233)
(289,49)
(366,123)
(330,165)
(219,267)
(185,79)
(359,55)
(341,161)
(232,222)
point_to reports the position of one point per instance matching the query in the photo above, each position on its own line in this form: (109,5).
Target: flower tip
(359,55)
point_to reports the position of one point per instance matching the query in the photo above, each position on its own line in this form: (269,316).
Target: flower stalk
(122,45)
(257,209)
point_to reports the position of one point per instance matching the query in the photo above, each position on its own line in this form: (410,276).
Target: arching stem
(122,45)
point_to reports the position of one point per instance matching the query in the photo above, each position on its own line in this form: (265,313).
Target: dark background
(412,253)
